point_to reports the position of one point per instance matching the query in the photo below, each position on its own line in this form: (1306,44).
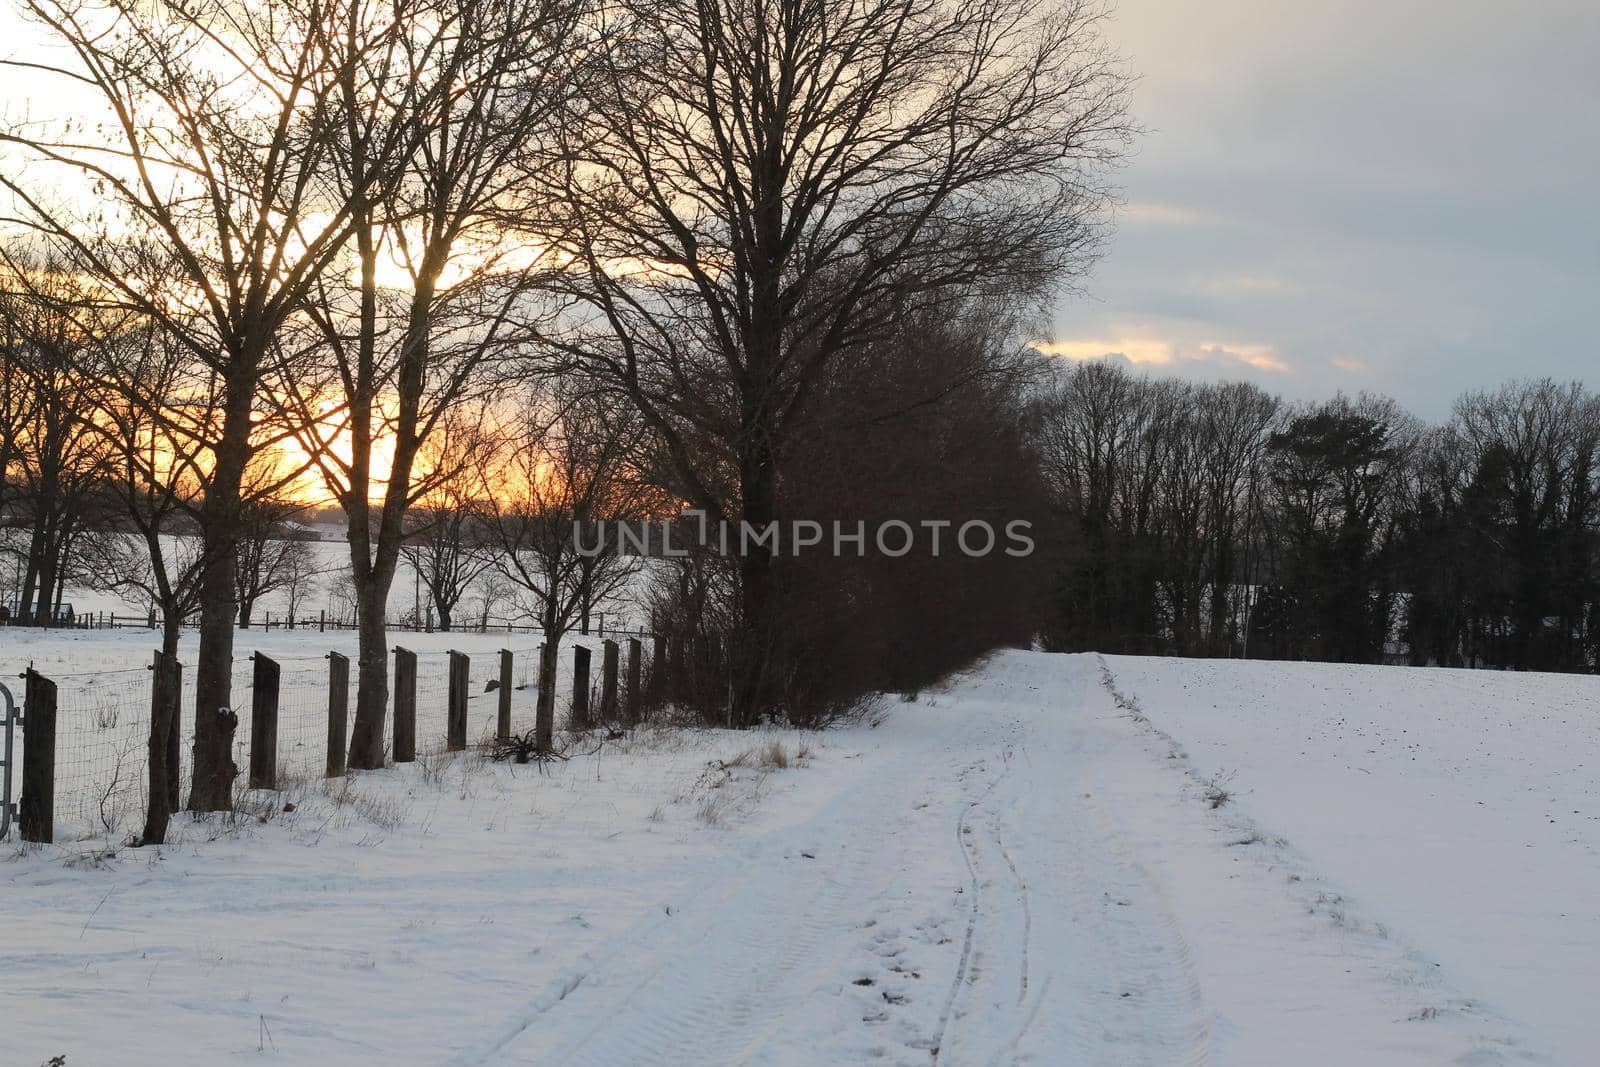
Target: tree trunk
(374,565)
(758,432)
(372,685)
(47,591)
(36,584)
(757,588)
(44,615)
(1221,587)
(544,722)
(29,583)
(164,695)
(544,716)
(211,788)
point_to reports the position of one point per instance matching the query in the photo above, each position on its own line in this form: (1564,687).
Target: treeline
(1218,520)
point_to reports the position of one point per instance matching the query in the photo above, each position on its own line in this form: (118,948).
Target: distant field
(333,556)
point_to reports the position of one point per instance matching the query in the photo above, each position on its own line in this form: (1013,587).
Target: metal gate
(11,720)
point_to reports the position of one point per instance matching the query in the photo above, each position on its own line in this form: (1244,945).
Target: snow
(1461,807)
(1025,866)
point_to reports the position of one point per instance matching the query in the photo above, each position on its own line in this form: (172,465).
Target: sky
(1338,194)
(1398,197)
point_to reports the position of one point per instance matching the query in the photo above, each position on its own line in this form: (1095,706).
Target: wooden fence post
(36,814)
(456,718)
(175,740)
(502,727)
(635,694)
(163,748)
(338,711)
(580,687)
(264,723)
(608,682)
(405,705)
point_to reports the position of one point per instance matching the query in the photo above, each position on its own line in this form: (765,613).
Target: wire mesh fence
(102,754)
(103,732)
(302,719)
(103,725)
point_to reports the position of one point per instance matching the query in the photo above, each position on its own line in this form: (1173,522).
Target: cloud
(1428,226)
(1261,357)
(1137,352)
(1167,354)
(1142,211)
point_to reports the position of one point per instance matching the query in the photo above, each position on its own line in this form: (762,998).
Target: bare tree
(444,545)
(153,476)
(1157,488)
(493,591)
(566,467)
(1236,422)
(342,599)
(437,138)
(212,217)
(1335,481)
(300,570)
(153,455)
(157,410)
(1101,444)
(1532,453)
(270,551)
(16,409)
(762,186)
(53,447)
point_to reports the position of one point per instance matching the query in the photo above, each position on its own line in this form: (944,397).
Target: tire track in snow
(1161,991)
(974,909)
(1113,982)
(713,983)
(1027,919)
(1068,953)
(1166,998)
(985,924)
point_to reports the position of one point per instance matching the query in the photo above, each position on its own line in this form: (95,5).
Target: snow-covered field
(1052,860)
(487,597)
(104,689)
(1456,812)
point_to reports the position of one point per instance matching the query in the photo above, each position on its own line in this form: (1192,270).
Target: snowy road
(988,895)
(1014,870)
(943,908)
